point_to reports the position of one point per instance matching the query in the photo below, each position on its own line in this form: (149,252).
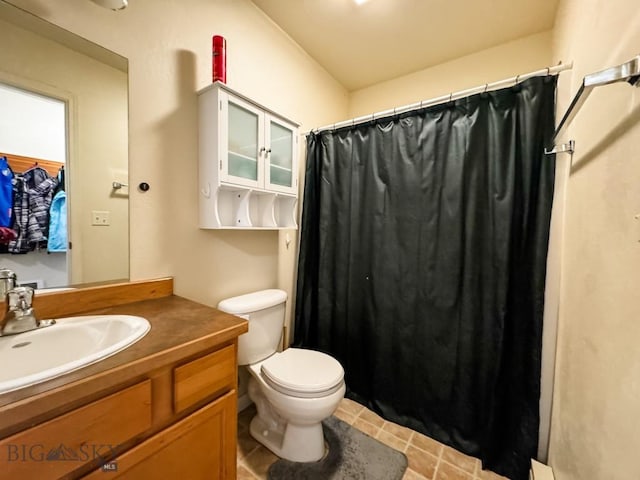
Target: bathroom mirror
(44,61)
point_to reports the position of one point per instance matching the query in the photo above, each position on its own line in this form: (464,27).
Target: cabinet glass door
(280,165)
(242,149)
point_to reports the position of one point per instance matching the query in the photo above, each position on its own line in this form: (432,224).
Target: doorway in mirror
(33,152)
(92,84)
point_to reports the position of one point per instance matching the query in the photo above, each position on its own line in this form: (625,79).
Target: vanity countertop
(180,328)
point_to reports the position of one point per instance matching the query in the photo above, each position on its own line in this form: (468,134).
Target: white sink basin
(72,343)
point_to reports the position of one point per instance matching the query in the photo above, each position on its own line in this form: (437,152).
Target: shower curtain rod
(446,98)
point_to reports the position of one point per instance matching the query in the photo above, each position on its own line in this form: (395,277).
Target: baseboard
(540,471)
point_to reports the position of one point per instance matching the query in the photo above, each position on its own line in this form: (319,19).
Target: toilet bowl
(291,407)
(293,390)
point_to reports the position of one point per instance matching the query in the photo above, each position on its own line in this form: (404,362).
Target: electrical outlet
(99,217)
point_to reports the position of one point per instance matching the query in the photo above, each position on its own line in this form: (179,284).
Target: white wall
(596,409)
(507,60)
(168,44)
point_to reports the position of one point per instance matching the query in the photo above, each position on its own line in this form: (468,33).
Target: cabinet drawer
(81,436)
(204,377)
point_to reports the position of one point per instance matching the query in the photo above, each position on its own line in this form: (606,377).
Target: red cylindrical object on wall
(219,61)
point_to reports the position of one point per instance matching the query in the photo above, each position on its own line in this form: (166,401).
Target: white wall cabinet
(248,163)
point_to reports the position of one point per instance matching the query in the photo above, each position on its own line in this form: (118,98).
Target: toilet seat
(303,373)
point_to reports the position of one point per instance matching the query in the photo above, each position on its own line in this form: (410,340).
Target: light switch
(99,217)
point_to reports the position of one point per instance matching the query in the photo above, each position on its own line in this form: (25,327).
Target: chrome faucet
(19,316)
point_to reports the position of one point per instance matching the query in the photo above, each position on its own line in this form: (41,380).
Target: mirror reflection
(64,133)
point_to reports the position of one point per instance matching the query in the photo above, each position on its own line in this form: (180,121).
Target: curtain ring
(486,87)
(548,71)
(450,97)
(517,79)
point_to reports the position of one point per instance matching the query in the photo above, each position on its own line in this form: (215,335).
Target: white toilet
(294,390)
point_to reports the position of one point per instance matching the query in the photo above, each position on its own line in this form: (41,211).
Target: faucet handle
(20,298)
(8,280)
(19,315)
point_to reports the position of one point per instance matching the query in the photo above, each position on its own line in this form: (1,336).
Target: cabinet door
(56,448)
(242,142)
(280,157)
(201,446)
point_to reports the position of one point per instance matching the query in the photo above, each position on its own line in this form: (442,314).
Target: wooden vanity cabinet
(178,420)
(201,446)
(164,408)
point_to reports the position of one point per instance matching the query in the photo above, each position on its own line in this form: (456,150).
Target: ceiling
(361,45)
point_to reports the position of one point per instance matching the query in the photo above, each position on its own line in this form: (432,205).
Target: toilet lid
(299,371)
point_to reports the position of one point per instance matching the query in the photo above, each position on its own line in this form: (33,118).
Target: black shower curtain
(422,266)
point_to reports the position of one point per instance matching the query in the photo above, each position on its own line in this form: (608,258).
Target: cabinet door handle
(267,151)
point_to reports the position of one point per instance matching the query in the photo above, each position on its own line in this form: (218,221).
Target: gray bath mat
(352,456)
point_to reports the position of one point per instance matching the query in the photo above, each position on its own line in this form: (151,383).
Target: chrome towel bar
(626,72)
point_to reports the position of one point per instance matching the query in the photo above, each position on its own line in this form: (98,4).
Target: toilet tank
(265,312)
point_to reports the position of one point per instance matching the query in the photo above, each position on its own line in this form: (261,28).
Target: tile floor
(428,459)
